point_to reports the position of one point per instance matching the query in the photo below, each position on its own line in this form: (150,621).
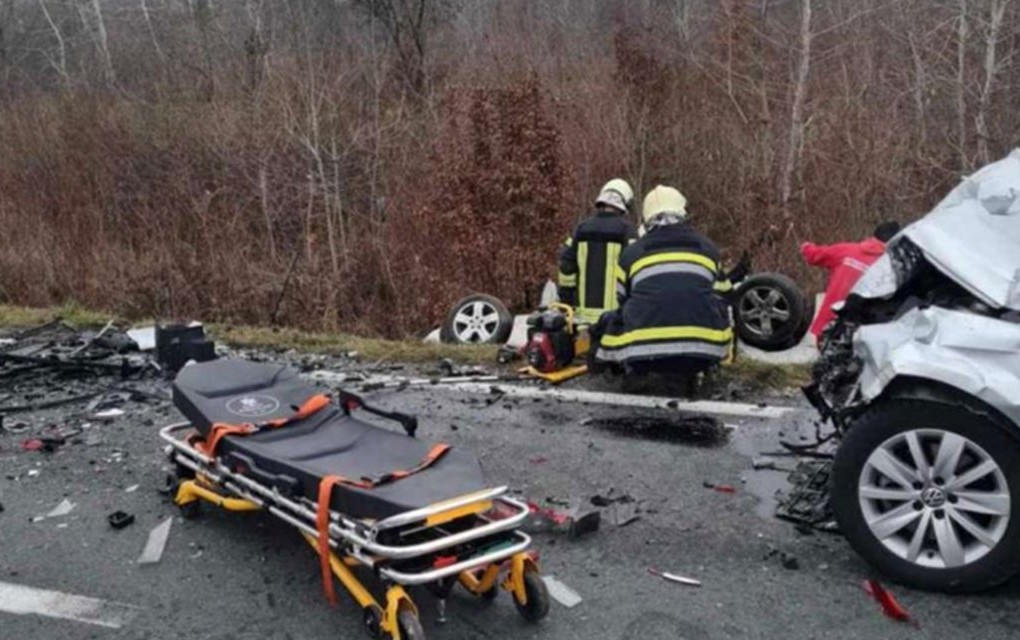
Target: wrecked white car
(920,374)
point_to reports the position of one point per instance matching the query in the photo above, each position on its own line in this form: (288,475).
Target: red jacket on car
(845,262)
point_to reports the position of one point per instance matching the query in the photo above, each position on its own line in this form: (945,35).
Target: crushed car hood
(973,235)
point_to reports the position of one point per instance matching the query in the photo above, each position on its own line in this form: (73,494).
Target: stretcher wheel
(537,606)
(410,625)
(372,619)
(191,510)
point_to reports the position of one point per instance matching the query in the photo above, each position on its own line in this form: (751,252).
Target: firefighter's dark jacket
(588,261)
(670,287)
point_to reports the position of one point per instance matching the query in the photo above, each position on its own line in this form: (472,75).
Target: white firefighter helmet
(663,199)
(617,194)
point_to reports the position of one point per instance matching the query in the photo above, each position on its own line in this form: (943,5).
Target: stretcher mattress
(294,458)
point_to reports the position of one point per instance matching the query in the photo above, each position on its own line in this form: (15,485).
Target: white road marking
(713,407)
(485,385)
(21,600)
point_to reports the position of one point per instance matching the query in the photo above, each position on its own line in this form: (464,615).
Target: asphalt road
(233,576)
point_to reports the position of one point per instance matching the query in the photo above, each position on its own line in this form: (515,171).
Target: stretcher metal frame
(354,542)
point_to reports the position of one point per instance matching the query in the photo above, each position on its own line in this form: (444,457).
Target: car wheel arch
(931,390)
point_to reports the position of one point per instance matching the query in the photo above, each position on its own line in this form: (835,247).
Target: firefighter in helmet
(672,314)
(586,279)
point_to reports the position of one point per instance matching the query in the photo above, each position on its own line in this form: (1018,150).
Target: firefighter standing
(588,259)
(671,317)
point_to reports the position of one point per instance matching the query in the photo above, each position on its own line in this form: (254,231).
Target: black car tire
(477,319)
(883,422)
(777,296)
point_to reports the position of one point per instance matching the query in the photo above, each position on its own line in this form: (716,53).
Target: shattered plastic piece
(65,507)
(725,488)
(538,460)
(120,519)
(890,606)
(144,337)
(789,561)
(108,414)
(156,543)
(672,577)
(32,444)
(131,489)
(625,513)
(584,524)
(32,473)
(562,593)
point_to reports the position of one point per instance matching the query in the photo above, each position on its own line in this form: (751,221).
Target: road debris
(132,488)
(120,519)
(562,593)
(154,546)
(65,507)
(888,603)
(672,577)
(789,561)
(178,344)
(807,500)
(108,414)
(573,521)
(696,430)
(719,488)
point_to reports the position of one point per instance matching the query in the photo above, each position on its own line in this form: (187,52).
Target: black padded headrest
(238,391)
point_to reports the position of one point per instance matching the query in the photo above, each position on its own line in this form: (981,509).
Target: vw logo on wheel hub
(933,497)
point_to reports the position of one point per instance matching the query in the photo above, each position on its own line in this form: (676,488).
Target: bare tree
(961,86)
(996,13)
(96,25)
(60,64)
(795,143)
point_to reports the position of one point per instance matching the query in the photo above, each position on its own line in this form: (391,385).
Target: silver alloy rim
(476,322)
(934,498)
(762,309)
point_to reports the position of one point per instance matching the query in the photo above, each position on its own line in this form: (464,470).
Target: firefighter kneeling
(672,317)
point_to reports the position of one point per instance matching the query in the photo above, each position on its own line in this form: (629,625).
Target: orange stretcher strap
(326,493)
(322,527)
(220,429)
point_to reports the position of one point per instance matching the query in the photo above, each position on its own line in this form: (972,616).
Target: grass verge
(750,374)
(369,349)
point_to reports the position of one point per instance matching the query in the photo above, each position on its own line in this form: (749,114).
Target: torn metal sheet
(156,543)
(562,593)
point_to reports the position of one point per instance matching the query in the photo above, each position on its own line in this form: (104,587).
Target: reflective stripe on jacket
(588,261)
(669,283)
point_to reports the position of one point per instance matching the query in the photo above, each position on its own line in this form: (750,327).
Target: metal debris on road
(65,507)
(156,543)
(562,593)
(672,577)
(807,501)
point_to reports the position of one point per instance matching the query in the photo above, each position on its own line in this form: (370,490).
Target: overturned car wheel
(477,319)
(924,492)
(771,312)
